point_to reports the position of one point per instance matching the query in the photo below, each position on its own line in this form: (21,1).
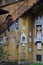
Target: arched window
(23,38)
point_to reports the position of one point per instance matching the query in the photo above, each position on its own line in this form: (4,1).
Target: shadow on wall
(7,23)
(9,20)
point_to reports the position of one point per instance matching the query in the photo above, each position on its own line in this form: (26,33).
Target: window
(30,49)
(10,1)
(23,54)
(23,38)
(1,41)
(12,27)
(5,39)
(0,2)
(17,25)
(23,47)
(39,46)
(39,31)
(38,57)
(8,29)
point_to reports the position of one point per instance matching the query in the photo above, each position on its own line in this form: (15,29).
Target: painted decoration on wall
(23,38)
(12,39)
(30,49)
(4,39)
(24,27)
(30,39)
(35,40)
(30,34)
(39,46)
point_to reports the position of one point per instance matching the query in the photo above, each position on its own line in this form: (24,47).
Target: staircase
(23,6)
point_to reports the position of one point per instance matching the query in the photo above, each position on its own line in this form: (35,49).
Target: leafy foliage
(36,64)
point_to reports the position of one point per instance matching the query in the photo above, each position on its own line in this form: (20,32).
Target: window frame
(38,57)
